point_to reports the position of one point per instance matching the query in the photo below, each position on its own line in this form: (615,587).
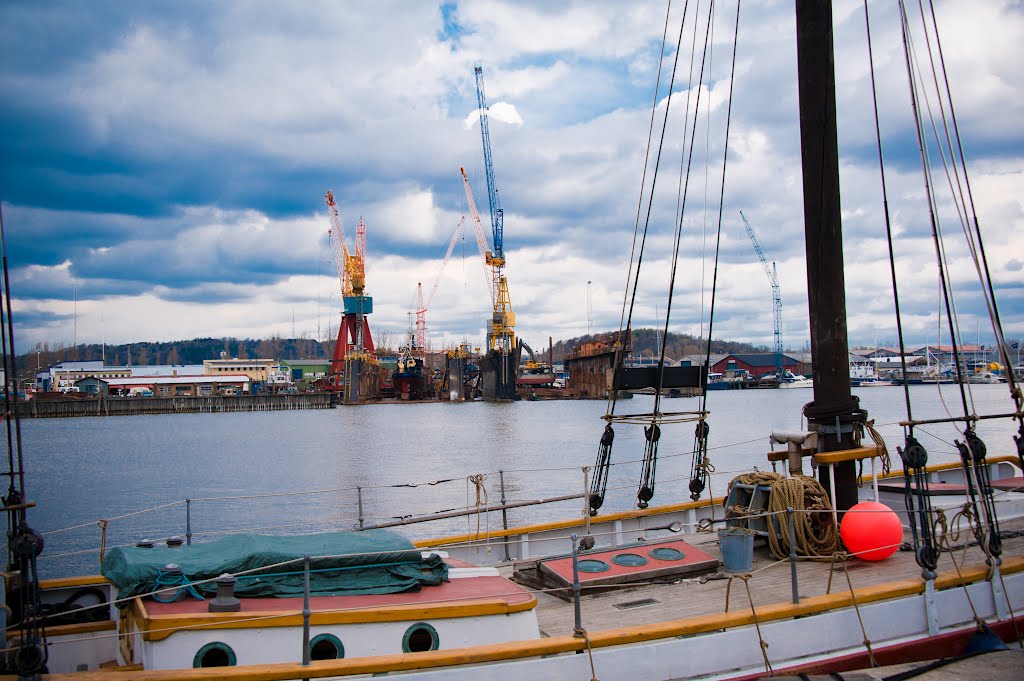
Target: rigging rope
(972,449)
(701,465)
(626,320)
(653,431)
(23,543)
(990,298)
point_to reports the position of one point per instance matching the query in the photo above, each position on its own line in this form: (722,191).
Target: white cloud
(499,111)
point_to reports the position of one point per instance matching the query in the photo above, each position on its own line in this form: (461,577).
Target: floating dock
(131,406)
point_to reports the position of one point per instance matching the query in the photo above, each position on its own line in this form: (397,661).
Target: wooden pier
(132,406)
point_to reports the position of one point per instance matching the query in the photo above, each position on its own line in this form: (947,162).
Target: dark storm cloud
(179,151)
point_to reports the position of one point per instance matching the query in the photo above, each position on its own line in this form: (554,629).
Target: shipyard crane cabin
(773,278)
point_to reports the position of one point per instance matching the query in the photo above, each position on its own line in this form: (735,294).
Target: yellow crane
(501,327)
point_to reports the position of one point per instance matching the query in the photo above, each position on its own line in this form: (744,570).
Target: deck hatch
(641,603)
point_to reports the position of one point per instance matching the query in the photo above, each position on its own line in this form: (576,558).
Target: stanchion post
(792,553)
(359,497)
(578,616)
(305,611)
(504,512)
(188,522)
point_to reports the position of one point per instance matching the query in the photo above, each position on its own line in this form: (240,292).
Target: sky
(163,166)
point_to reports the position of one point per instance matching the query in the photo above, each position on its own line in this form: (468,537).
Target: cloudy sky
(163,165)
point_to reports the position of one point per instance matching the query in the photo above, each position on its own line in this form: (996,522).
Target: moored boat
(656,606)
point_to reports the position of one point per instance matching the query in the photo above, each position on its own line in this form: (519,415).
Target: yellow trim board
(159,627)
(563,524)
(79,628)
(68,582)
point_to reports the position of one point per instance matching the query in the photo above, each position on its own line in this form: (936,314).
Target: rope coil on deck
(816,534)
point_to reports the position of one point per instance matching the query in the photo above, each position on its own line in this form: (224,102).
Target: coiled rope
(477,481)
(817,537)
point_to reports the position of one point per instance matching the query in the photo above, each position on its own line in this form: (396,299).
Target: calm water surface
(409,459)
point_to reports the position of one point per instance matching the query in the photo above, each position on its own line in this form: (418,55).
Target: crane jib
(497,214)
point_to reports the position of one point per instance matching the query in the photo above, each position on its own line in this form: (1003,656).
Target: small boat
(716,381)
(870,382)
(791,380)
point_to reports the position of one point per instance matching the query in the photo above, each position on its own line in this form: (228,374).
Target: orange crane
(421,306)
(351,268)
(354,339)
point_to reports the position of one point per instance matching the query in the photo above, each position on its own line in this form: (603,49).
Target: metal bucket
(737,549)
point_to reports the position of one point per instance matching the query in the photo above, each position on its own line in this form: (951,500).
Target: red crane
(354,338)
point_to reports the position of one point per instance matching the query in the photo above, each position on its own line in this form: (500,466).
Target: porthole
(215,654)
(420,637)
(326,647)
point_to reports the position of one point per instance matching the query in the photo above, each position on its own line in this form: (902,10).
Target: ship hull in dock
(458,387)
(498,373)
(409,385)
(363,383)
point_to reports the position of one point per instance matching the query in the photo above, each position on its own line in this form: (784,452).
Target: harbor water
(119,480)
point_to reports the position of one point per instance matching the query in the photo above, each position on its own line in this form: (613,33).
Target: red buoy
(871,531)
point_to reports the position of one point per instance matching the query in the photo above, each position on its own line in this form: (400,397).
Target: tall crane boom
(497,214)
(773,278)
(351,268)
(336,236)
(423,305)
(421,319)
(490,274)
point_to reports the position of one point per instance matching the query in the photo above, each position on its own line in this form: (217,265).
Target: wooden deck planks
(770,583)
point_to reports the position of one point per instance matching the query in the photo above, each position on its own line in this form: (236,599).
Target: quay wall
(130,406)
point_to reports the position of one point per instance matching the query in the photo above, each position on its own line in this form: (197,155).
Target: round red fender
(871,531)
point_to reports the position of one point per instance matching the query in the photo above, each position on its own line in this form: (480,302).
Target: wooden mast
(834,411)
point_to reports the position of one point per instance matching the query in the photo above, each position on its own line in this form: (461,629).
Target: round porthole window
(215,654)
(420,637)
(326,647)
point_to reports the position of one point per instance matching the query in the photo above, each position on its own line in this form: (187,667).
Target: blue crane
(773,277)
(497,215)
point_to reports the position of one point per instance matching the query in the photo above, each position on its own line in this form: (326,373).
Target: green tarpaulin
(371,562)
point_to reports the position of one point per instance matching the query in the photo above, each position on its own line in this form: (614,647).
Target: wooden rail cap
(826,458)
(783,454)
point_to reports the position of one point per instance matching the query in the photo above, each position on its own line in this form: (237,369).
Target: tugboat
(409,380)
